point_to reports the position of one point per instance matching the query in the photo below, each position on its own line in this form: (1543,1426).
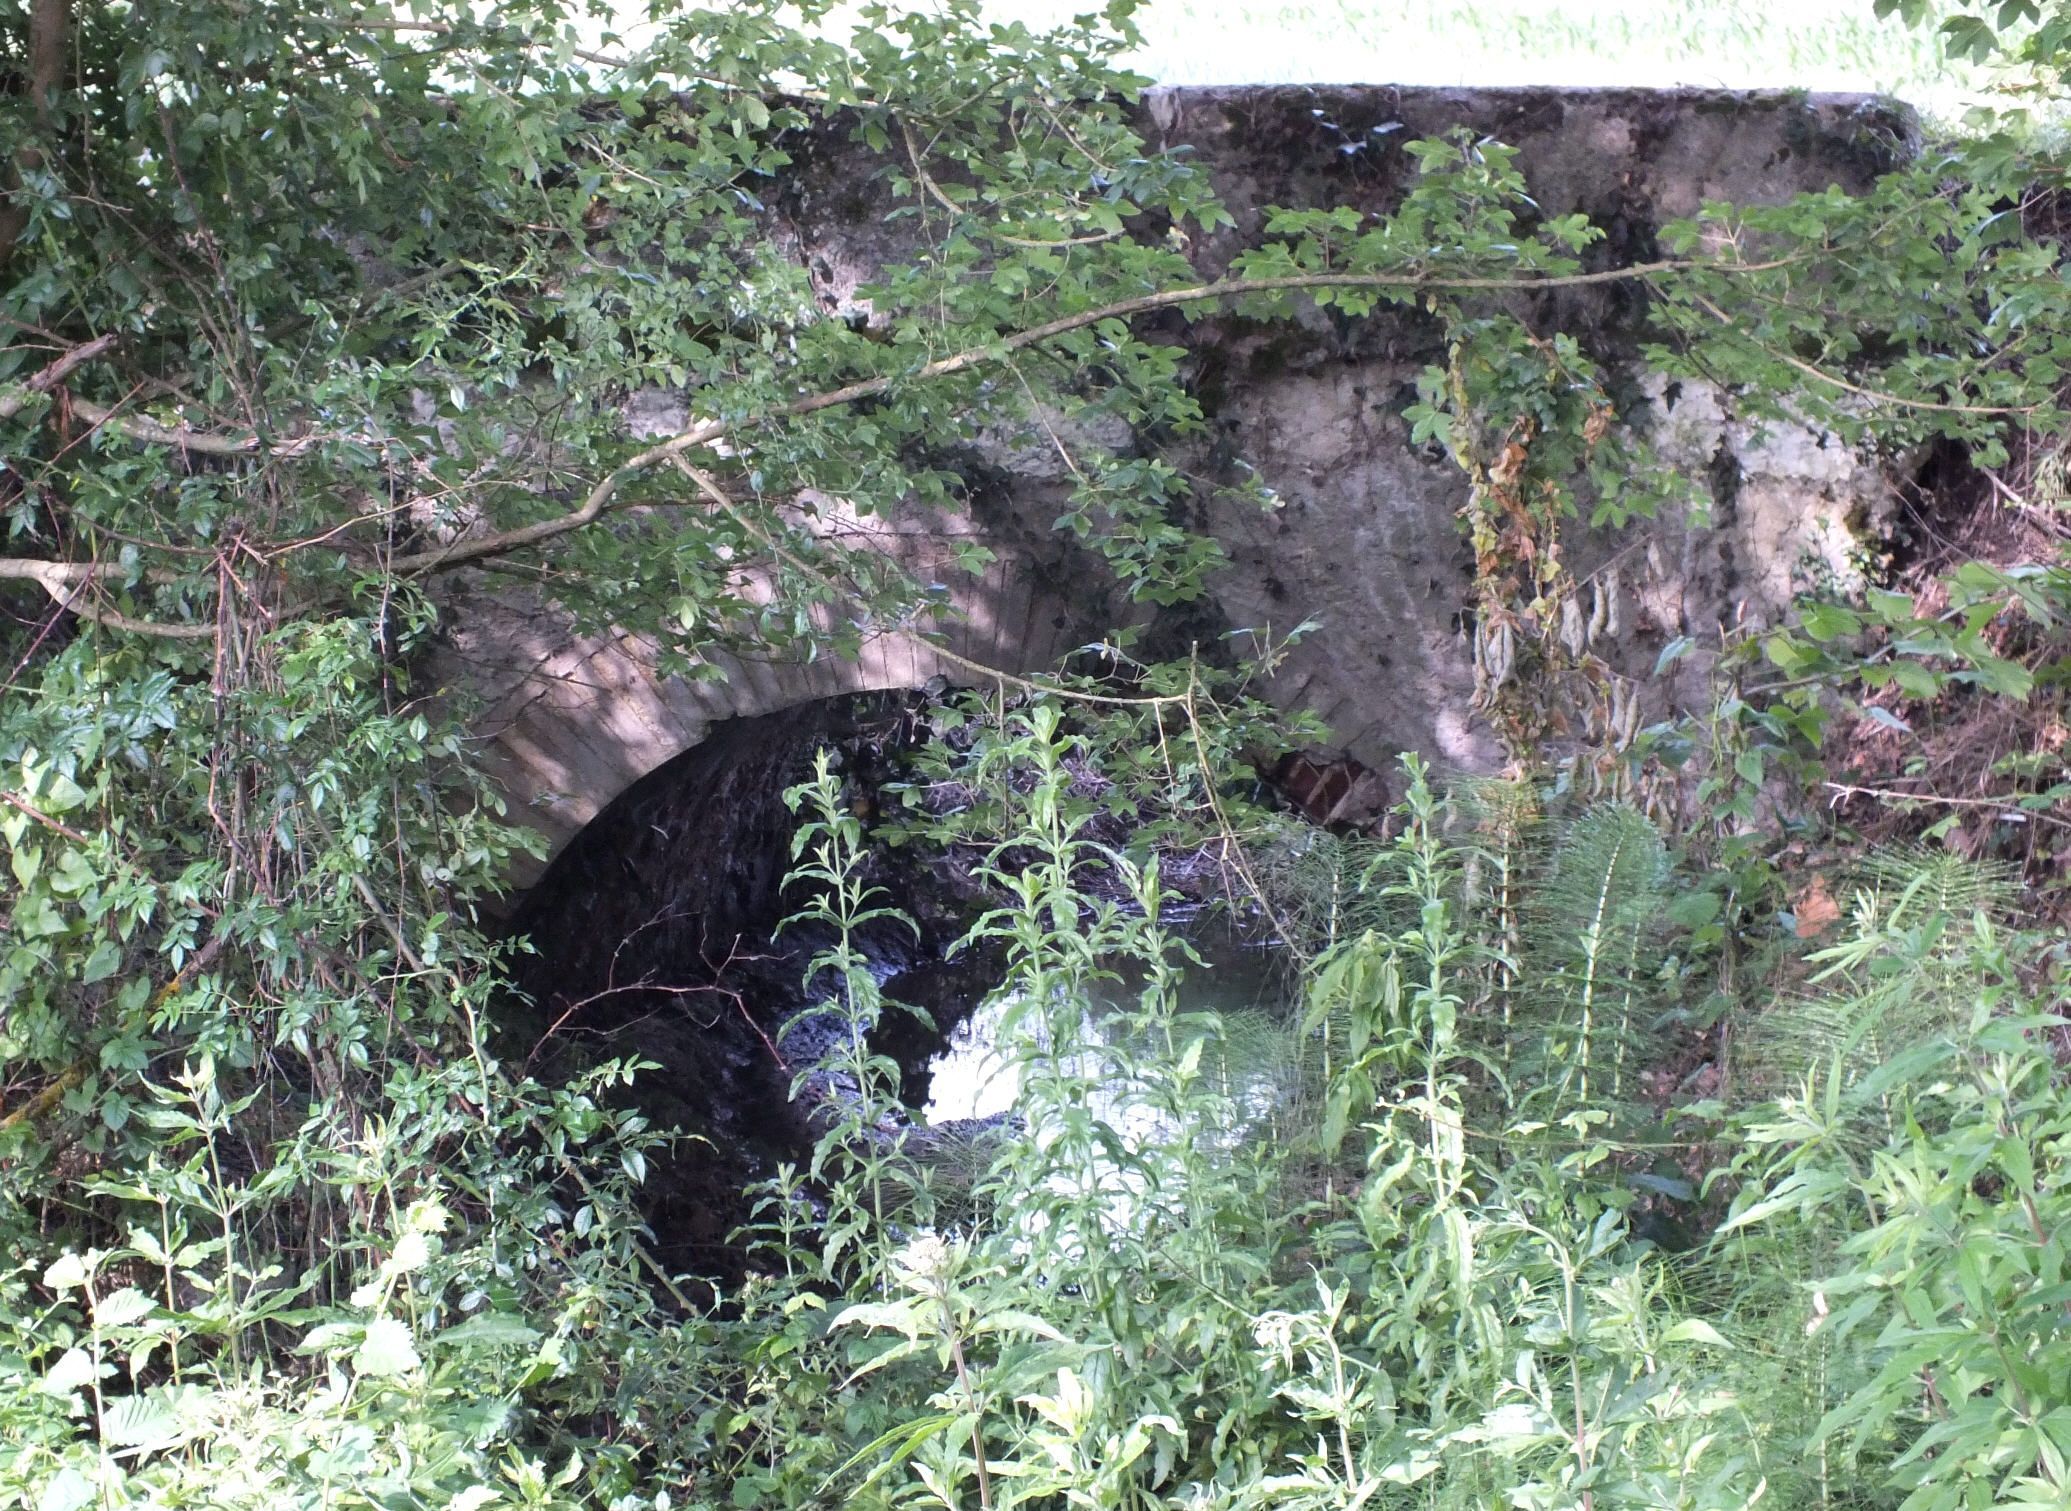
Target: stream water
(1087,1088)
(976,1078)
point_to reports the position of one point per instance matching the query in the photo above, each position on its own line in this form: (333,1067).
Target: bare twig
(936,192)
(640,1250)
(45,1099)
(511,34)
(1874,395)
(150,432)
(1189,702)
(464,551)
(461,552)
(2007,805)
(11,403)
(67,582)
(15,800)
(185,437)
(447,29)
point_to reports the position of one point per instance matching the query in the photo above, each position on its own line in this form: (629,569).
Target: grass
(1731,44)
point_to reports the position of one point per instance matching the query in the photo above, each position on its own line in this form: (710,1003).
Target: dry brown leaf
(1815,908)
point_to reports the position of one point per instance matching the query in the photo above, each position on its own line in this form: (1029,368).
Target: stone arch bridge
(1364,540)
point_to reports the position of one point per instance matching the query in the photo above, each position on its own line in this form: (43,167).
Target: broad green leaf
(123,1307)
(1695,1330)
(67,1490)
(489,1330)
(74,1370)
(141,1421)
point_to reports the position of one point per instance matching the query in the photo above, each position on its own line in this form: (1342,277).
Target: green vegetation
(308,306)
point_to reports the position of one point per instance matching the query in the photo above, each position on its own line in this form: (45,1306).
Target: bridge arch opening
(658,933)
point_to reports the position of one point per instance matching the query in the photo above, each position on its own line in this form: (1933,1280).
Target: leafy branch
(59,578)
